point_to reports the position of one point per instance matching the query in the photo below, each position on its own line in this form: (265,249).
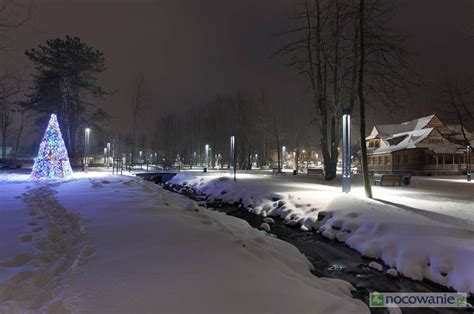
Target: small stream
(334,259)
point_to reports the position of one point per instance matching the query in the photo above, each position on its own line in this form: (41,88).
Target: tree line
(259,127)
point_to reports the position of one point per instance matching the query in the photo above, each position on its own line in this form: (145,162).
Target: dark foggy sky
(191,50)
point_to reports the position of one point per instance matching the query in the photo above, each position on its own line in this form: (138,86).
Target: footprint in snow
(87,251)
(26,238)
(37,229)
(18,260)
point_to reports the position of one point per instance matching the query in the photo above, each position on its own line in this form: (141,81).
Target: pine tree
(52,161)
(66,82)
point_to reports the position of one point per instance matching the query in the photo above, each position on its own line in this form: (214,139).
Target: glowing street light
(87,133)
(346,151)
(210,157)
(283,153)
(206,157)
(108,154)
(232,159)
(468,168)
(231,152)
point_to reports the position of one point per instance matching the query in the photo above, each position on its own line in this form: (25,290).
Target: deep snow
(425,230)
(120,244)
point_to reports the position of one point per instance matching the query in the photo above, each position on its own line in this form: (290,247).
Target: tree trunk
(20,131)
(277,141)
(363,146)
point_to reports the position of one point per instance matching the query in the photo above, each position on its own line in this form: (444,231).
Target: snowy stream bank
(331,259)
(435,245)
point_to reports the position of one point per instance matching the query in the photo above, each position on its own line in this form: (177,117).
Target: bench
(386,179)
(406,179)
(315,172)
(276,171)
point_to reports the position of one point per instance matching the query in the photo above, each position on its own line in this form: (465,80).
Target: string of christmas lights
(52,161)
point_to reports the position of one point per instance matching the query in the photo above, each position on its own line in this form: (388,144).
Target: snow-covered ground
(119,244)
(425,230)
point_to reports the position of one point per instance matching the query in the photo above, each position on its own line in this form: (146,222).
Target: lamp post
(468,164)
(209,165)
(283,153)
(108,154)
(206,157)
(232,159)
(305,164)
(295,164)
(87,133)
(346,151)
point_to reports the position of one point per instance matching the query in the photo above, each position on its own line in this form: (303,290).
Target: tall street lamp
(468,168)
(232,159)
(109,154)
(209,165)
(105,156)
(346,151)
(87,133)
(231,152)
(283,153)
(206,157)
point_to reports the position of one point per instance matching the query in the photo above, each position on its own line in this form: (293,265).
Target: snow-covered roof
(410,135)
(405,140)
(417,124)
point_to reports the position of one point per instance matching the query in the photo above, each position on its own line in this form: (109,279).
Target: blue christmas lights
(52,161)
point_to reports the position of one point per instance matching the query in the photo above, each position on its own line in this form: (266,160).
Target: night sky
(191,50)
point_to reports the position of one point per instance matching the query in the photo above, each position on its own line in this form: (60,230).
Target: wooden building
(424,146)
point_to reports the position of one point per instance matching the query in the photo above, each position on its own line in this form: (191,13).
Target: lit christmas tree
(52,161)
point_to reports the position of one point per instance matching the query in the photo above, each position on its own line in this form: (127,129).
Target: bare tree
(461,109)
(13,15)
(365,165)
(318,49)
(385,75)
(5,123)
(22,112)
(138,104)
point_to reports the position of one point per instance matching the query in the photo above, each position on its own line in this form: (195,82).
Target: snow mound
(192,206)
(392,272)
(376,266)
(269,220)
(265,226)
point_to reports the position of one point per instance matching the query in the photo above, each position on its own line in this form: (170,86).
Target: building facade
(424,146)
